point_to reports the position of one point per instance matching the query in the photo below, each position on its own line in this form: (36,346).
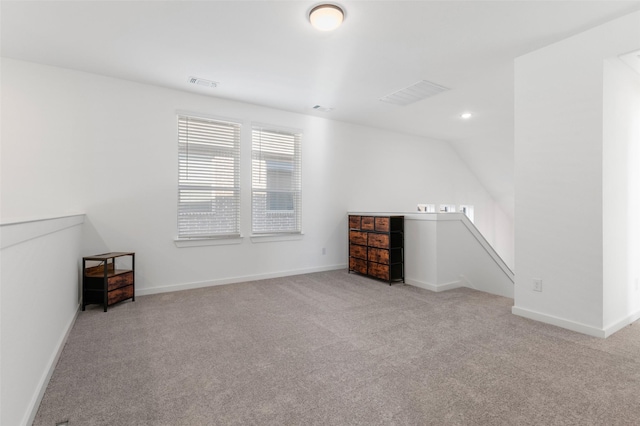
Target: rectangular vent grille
(322,108)
(202,82)
(414,93)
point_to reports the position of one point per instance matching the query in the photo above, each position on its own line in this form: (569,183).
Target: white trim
(234,280)
(268,238)
(230,120)
(411,215)
(18,232)
(200,242)
(435,287)
(559,322)
(39,218)
(488,248)
(630,319)
(219,161)
(256,125)
(34,404)
(281,140)
(428,216)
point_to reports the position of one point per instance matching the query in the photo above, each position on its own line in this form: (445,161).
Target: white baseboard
(575,326)
(32,410)
(608,331)
(233,280)
(559,322)
(434,287)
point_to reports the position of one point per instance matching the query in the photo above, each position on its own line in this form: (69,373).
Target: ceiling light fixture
(466,115)
(326,17)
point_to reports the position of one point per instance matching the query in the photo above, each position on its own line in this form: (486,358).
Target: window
(209,178)
(447,208)
(276,190)
(427,208)
(467,210)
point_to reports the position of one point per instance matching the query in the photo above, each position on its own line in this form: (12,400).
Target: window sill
(200,242)
(267,238)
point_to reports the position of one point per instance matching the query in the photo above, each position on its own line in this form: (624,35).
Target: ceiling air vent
(414,93)
(202,82)
(322,108)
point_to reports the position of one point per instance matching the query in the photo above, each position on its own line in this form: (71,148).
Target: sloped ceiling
(266,53)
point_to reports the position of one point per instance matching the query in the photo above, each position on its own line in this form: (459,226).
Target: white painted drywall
(386,178)
(40,296)
(621,193)
(502,239)
(559,175)
(442,252)
(73,141)
(45,144)
(421,252)
(121,138)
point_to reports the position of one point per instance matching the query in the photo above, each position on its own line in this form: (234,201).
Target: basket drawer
(120,294)
(120,280)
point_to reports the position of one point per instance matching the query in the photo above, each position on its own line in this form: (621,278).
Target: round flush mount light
(466,115)
(326,17)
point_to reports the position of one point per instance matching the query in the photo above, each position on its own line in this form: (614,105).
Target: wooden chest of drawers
(376,246)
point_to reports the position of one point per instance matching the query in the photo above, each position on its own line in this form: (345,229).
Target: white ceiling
(266,53)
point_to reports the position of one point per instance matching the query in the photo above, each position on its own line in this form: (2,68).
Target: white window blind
(209,178)
(276,188)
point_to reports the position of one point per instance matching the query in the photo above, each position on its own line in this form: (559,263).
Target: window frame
(185,238)
(262,157)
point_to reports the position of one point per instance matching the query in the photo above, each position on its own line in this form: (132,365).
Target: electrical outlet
(537,284)
(324,251)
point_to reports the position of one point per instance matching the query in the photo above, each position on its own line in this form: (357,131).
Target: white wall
(40,298)
(389,172)
(77,142)
(621,192)
(45,138)
(119,165)
(503,237)
(559,175)
(445,251)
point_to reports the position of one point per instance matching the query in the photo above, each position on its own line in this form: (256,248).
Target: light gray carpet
(336,349)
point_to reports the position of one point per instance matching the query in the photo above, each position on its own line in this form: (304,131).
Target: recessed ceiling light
(466,115)
(326,17)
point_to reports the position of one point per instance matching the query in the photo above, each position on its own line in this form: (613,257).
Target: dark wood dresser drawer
(358,265)
(378,240)
(120,280)
(367,223)
(358,237)
(354,222)
(120,294)
(378,270)
(382,224)
(378,255)
(358,251)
